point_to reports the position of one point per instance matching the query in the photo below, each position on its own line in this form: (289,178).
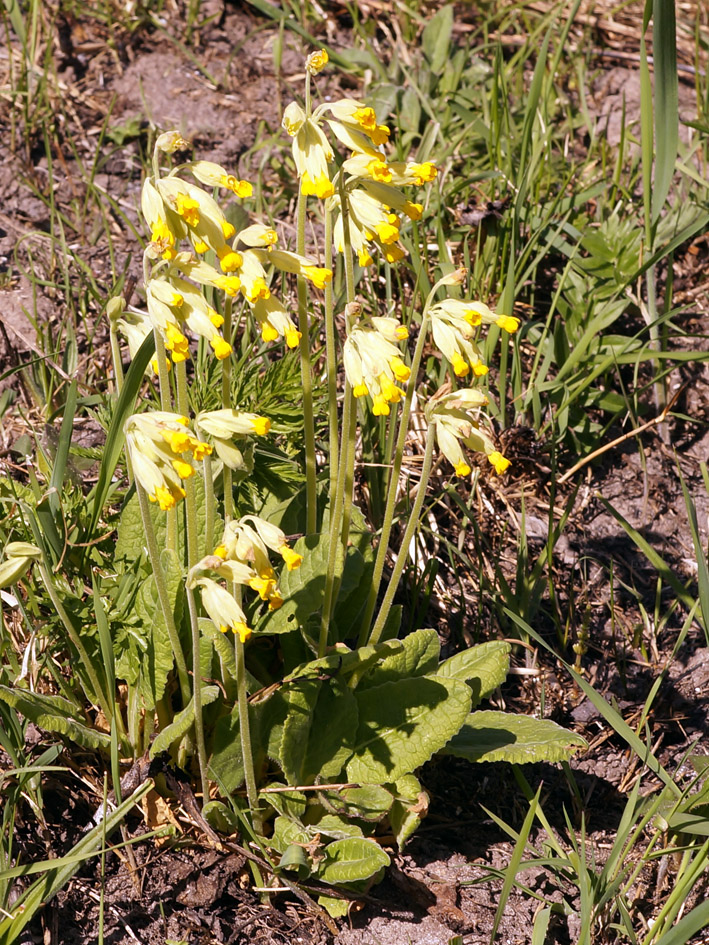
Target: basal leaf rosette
(456,419)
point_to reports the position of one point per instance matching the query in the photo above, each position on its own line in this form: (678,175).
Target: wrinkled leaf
(418,657)
(349,860)
(303,589)
(54,714)
(499,736)
(403,723)
(409,807)
(483,667)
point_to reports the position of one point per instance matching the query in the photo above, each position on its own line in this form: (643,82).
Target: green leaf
(501,736)
(402,723)
(286,832)
(125,406)
(157,661)
(483,667)
(54,714)
(409,807)
(347,861)
(332,734)
(336,827)
(436,39)
(368,802)
(303,589)
(266,721)
(418,657)
(664,54)
(182,723)
(343,662)
(301,698)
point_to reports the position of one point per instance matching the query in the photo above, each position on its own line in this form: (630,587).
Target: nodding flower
(455,419)
(454,323)
(223,610)
(161,448)
(373,363)
(224,426)
(311,152)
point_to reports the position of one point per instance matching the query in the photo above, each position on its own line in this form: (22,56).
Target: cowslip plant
(284,689)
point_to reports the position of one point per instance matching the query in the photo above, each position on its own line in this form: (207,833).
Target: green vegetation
(296,372)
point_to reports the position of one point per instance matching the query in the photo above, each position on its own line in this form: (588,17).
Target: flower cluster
(453,323)
(181,213)
(242,558)
(373,362)
(161,448)
(455,418)
(227,425)
(374,204)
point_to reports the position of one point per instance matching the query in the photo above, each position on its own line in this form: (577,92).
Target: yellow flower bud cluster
(456,421)
(375,204)
(161,448)
(373,363)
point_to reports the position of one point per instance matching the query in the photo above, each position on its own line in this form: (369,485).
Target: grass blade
(114,441)
(664,50)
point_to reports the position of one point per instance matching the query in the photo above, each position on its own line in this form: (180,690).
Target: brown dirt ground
(191,891)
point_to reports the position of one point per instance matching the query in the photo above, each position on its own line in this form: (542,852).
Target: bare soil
(440,885)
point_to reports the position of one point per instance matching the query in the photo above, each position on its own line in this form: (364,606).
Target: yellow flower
(223,610)
(455,419)
(372,366)
(214,175)
(275,322)
(171,141)
(317,61)
(224,425)
(157,442)
(292,262)
(361,117)
(311,153)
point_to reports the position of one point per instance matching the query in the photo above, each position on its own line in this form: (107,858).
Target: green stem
(163,596)
(306,376)
(227,479)
(331,354)
(98,697)
(166,405)
(245,735)
(209,505)
(405,542)
(345,473)
(190,499)
(116,356)
(334,545)
(197,696)
(394,476)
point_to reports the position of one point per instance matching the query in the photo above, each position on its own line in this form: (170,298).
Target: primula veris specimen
(228,425)
(373,363)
